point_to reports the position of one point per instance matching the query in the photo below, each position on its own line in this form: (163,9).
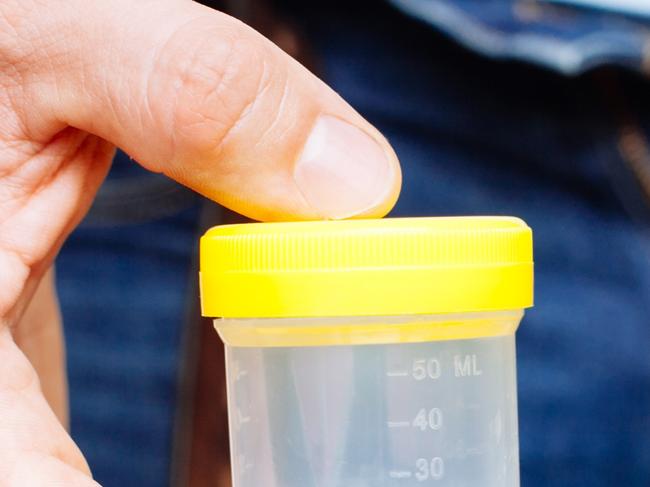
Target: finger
(49,191)
(27,423)
(199,96)
(39,335)
(42,471)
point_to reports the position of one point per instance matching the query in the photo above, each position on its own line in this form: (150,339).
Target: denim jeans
(479,137)
(123,277)
(570,39)
(475,136)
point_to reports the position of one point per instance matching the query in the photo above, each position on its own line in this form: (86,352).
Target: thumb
(201,97)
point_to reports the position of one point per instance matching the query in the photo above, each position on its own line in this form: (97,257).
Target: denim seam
(568,57)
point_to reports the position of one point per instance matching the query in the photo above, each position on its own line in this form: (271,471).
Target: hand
(184,90)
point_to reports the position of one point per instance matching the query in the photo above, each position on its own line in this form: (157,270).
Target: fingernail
(343,171)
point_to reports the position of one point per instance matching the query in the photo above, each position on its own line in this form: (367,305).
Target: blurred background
(539,109)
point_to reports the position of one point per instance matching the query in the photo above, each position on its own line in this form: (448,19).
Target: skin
(186,91)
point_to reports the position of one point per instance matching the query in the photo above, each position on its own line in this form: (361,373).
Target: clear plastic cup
(345,397)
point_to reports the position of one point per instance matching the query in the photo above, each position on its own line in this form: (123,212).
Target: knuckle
(211,90)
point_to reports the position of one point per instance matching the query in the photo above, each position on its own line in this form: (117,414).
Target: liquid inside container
(399,414)
(371,353)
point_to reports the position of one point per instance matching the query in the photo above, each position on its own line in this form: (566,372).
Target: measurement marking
(397,373)
(237,372)
(466,366)
(244,464)
(240,420)
(398,424)
(400,474)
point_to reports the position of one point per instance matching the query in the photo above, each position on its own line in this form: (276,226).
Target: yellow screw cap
(387,267)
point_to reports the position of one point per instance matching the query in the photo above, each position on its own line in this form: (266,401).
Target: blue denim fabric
(480,138)
(474,137)
(122,280)
(568,39)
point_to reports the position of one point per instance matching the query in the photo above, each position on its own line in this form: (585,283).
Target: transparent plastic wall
(437,412)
